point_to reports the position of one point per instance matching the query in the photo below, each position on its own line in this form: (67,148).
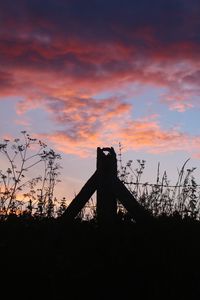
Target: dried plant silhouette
(23,191)
(161,197)
(54,257)
(20,191)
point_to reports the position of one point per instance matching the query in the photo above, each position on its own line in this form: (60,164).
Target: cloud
(148,135)
(86,122)
(61,55)
(142,134)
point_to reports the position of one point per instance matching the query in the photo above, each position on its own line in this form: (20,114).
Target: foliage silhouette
(17,184)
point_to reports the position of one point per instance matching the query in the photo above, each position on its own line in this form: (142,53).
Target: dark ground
(50,259)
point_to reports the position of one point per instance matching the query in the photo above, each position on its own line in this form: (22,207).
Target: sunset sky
(81,74)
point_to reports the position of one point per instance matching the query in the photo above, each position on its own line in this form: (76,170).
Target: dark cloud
(104,20)
(127,22)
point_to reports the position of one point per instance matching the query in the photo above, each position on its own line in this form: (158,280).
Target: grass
(162,198)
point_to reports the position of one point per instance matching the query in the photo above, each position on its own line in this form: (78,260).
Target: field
(50,258)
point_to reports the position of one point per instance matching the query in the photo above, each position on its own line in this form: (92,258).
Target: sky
(81,74)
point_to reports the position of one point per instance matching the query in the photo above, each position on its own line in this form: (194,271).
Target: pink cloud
(142,134)
(61,64)
(38,69)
